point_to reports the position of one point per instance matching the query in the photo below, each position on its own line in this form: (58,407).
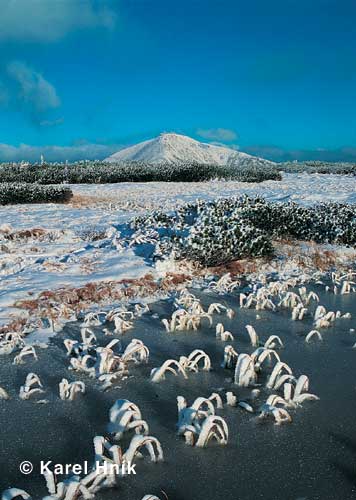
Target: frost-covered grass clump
(217,232)
(92,172)
(14,192)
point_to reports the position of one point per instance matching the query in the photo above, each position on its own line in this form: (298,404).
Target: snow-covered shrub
(318,167)
(220,231)
(209,233)
(217,238)
(13,192)
(322,223)
(94,172)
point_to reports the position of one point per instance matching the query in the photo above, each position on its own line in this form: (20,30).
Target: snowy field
(299,188)
(66,255)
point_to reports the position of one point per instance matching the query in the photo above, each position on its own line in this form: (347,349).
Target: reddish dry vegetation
(80,200)
(242,267)
(237,267)
(24,234)
(324,260)
(14,326)
(49,302)
(306,255)
(312,256)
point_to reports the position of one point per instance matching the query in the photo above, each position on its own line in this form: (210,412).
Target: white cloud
(50,20)
(82,151)
(33,90)
(223,144)
(217,134)
(28,91)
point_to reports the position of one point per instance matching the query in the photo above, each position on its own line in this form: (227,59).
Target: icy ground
(75,249)
(262,461)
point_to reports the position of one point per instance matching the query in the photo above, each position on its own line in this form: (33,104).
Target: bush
(11,193)
(104,173)
(318,167)
(214,240)
(322,223)
(217,232)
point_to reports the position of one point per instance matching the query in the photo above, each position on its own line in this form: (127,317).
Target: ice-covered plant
(245,373)
(12,493)
(223,334)
(273,342)
(150,443)
(276,375)
(263,353)
(230,357)
(198,422)
(197,360)
(169,366)
(11,342)
(253,335)
(33,386)
(26,351)
(3,394)
(125,416)
(213,427)
(313,333)
(71,390)
(296,393)
(136,351)
(280,415)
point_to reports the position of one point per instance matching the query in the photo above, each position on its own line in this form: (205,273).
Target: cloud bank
(82,151)
(275,153)
(94,151)
(50,20)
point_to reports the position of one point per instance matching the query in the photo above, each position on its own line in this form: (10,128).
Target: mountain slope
(180,149)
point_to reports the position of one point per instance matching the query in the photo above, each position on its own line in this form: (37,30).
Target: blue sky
(81,78)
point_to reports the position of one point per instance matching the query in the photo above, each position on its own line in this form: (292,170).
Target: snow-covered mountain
(180,149)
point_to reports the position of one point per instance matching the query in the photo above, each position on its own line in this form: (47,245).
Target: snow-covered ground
(66,256)
(300,188)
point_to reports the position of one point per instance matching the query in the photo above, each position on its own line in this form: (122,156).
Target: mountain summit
(180,149)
